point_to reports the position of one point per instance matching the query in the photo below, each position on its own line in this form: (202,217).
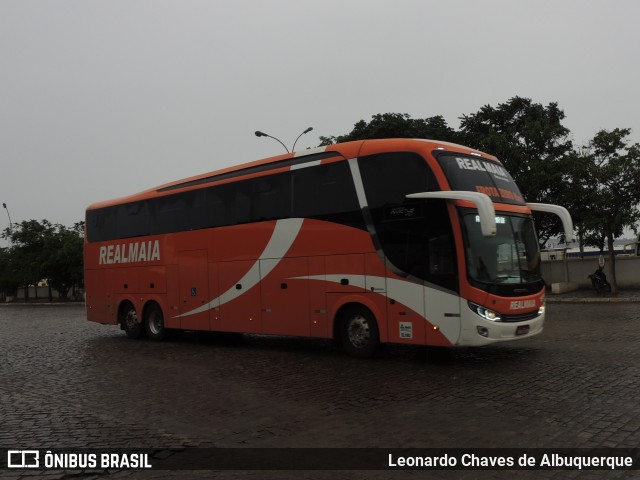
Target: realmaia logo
(482,166)
(129,253)
(520,304)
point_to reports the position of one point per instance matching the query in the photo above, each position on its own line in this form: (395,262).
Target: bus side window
(326,192)
(416,236)
(272,197)
(133,219)
(241,208)
(216,210)
(441,256)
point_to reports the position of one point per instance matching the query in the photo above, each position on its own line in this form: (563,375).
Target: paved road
(65,382)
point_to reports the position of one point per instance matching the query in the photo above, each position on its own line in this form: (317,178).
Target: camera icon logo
(23,459)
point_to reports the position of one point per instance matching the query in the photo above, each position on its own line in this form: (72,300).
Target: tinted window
(271,197)
(390,177)
(186,211)
(101,223)
(415,235)
(325,192)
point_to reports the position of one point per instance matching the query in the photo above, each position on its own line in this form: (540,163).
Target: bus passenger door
(285,296)
(422,314)
(194,289)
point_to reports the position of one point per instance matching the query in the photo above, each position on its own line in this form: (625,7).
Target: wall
(627,271)
(43,293)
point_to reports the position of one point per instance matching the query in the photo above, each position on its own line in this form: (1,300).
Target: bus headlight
(485,312)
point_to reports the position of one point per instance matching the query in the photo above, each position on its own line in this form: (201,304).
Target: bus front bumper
(478,331)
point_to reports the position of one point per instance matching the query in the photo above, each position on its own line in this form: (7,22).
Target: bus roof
(346,150)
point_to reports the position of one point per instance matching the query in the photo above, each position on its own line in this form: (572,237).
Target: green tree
(27,250)
(534,146)
(63,267)
(580,197)
(8,278)
(396,125)
(613,175)
(43,251)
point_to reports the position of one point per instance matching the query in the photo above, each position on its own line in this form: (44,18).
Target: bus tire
(129,321)
(359,332)
(154,322)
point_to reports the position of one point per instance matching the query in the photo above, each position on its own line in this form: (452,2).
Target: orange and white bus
(378,241)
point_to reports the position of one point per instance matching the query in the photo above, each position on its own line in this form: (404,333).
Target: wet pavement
(68,383)
(591,296)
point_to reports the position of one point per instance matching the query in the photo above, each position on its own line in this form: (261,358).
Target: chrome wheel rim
(359,332)
(155,323)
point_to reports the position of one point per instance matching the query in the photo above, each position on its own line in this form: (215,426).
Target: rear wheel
(359,332)
(129,321)
(154,323)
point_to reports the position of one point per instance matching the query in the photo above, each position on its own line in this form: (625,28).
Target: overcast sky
(104,98)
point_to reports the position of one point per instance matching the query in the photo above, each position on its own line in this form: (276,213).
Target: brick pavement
(65,382)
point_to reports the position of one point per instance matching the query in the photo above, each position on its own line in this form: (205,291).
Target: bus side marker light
(436,327)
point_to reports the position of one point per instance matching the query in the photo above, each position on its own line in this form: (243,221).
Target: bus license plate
(522,330)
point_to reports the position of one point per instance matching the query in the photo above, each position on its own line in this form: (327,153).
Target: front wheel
(154,323)
(359,332)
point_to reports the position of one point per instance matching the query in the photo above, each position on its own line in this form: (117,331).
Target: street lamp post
(293,149)
(262,134)
(10,223)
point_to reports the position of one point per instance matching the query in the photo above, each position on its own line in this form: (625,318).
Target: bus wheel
(129,321)
(154,322)
(359,332)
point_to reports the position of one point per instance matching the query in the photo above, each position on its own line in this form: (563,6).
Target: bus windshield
(511,257)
